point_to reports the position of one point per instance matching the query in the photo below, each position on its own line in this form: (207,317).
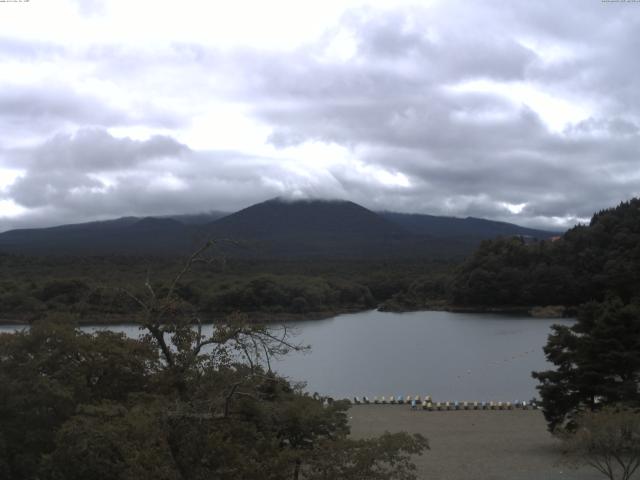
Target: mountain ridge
(273,228)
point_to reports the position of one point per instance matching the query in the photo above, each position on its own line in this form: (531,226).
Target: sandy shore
(474,445)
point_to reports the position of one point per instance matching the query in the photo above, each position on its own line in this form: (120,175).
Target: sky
(521,111)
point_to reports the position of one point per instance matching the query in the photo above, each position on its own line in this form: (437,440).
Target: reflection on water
(450,356)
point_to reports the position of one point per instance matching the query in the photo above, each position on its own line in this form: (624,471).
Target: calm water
(450,356)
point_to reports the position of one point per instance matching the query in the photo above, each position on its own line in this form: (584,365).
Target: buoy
(399,399)
(365,400)
(499,405)
(356,400)
(375,400)
(392,399)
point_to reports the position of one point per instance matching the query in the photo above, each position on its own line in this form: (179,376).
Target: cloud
(525,112)
(90,7)
(94,175)
(466,152)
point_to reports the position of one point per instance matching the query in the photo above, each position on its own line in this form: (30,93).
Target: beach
(474,444)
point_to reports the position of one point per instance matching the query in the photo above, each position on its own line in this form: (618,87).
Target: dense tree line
(587,263)
(90,288)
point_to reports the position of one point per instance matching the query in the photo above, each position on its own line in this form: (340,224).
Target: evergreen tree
(597,362)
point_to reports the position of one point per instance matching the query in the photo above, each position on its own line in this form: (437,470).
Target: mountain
(470,228)
(125,235)
(334,228)
(276,228)
(198,218)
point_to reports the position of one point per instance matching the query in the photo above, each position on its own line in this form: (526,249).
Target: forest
(90,289)
(589,262)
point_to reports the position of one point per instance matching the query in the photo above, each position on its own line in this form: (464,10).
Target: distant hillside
(311,228)
(587,263)
(272,229)
(470,228)
(126,235)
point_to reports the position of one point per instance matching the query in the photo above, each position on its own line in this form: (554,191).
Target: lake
(450,356)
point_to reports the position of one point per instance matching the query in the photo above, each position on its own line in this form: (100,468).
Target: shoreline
(534,311)
(553,311)
(129,319)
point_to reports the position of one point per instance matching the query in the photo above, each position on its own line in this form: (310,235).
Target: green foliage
(175,404)
(597,362)
(422,293)
(50,370)
(91,287)
(297,294)
(385,458)
(587,263)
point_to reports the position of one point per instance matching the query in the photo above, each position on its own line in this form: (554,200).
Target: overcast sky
(523,111)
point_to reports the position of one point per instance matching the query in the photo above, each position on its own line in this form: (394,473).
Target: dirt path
(474,445)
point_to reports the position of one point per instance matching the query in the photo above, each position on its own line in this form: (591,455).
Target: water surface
(450,356)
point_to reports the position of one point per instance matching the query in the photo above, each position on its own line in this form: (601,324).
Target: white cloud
(526,111)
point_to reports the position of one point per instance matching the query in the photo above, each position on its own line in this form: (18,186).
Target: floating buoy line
(426,403)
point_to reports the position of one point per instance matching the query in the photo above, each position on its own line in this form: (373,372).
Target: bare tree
(176,328)
(608,440)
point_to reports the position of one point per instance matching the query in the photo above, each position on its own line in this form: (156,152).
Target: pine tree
(597,362)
